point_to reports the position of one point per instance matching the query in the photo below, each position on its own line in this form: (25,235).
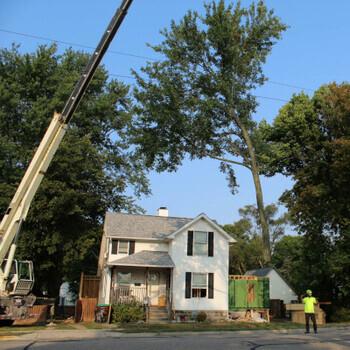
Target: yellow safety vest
(309,305)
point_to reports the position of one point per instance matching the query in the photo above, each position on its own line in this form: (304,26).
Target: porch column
(108,276)
(171,290)
(147,296)
(148,299)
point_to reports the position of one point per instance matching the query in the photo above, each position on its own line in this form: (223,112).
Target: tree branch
(230,161)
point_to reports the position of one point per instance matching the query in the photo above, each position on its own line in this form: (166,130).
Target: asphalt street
(328,338)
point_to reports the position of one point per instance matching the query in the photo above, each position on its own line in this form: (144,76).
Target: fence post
(81,285)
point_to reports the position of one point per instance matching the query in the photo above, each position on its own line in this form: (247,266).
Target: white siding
(279,289)
(218,264)
(154,246)
(139,246)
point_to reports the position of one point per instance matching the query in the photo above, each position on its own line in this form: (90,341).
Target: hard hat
(309,292)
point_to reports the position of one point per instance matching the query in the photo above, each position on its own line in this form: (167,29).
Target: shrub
(201,316)
(124,313)
(340,314)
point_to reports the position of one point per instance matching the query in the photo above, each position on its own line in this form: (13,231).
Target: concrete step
(158,314)
(163,315)
(158,321)
(152,317)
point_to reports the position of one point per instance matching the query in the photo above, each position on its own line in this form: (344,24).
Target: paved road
(328,338)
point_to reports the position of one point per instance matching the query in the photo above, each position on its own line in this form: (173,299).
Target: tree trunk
(259,195)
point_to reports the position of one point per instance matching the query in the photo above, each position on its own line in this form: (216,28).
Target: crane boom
(19,206)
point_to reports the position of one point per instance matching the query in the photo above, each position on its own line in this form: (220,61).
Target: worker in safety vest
(309,307)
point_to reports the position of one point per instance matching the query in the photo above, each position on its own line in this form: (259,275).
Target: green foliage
(91,172)
(288,258)
(310,141)
(248,252)
(125,313)
(201,316)
(198,100)
(340,314)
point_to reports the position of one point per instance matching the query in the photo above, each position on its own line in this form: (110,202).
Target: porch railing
(127,295)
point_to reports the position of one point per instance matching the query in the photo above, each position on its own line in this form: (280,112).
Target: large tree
(198,100)
(91,172)
(310,141)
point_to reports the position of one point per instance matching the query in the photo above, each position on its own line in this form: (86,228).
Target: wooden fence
(89,286)
(88,295)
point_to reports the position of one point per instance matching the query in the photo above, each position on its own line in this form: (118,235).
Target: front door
(153,280)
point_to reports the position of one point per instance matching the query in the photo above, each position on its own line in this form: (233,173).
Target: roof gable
(210,222)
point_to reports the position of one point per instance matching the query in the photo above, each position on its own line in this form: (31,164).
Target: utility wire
(288,85)
(75,44)
(271,98)
(141,57)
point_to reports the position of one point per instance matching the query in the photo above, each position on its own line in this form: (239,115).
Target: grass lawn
(192,327)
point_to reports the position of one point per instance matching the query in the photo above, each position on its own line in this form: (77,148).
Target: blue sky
(312,52)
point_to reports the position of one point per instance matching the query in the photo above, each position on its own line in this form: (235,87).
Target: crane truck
(17,277)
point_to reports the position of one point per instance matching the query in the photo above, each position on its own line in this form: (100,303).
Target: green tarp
(249,293)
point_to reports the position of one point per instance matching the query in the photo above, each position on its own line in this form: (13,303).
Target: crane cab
(21,277)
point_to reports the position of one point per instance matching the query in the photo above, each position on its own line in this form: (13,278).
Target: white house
(279,288)
(178,264)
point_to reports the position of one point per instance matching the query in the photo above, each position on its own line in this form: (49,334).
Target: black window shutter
(210,243)
(114,246)
(210,285)
(131,247)
(190,243)
(188,285)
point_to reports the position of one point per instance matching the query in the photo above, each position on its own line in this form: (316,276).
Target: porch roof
(146,258)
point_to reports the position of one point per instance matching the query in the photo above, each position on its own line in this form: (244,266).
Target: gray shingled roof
(146,258)
(142,226)
(263,272)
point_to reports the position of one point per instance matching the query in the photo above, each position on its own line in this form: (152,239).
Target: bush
(124,313)
(201,316)
(340,314)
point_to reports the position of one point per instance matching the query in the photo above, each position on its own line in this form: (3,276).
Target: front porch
(148,286)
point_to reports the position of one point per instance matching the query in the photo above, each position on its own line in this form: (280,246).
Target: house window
(123,247)
(199,285)
(200,243)
(124,278)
